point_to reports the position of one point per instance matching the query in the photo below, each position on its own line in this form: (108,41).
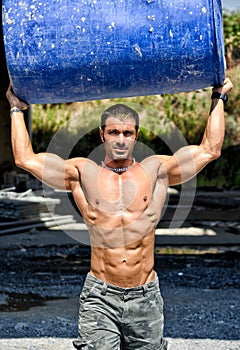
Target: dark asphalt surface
(40,286)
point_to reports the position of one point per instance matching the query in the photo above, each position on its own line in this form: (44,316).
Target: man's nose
(121,139)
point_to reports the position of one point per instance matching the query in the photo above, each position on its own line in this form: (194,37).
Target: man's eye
(128,133)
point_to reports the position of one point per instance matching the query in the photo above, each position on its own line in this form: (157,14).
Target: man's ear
(137,135)
(101,134)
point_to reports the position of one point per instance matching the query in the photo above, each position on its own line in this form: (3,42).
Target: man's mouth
(121,150)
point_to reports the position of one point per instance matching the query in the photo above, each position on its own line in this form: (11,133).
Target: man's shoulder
(155,160)
(82,163)
(156,165)
(152,164)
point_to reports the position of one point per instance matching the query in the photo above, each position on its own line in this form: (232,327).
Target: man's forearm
(215,129)
(214,133)
(47,167)
(21,145)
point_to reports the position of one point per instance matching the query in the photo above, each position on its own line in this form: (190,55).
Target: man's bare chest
(111,192)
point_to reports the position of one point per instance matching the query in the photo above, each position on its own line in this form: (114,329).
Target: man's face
(119,138)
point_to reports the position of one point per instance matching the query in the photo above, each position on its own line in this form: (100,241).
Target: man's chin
(121,158)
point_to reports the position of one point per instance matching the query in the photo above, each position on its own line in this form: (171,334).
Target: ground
(42,274)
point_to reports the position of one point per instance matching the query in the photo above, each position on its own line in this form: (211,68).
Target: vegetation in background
(232,37)
(158,115)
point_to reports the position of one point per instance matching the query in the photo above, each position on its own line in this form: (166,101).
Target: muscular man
(121,202)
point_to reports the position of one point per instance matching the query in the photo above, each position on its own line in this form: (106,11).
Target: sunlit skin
(122,209)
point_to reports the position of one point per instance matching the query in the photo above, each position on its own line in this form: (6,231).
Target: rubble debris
(28,211)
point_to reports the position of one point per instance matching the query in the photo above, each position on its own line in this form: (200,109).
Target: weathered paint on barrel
(71,50)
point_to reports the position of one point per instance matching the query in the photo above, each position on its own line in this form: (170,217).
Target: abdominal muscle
(123,252)
(126,266)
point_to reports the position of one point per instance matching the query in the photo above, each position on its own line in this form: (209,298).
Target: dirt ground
(42,274)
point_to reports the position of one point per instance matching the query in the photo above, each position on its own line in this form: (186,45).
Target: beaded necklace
(119,170)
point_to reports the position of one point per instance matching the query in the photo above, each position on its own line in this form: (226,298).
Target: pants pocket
(79,345)
(164,344)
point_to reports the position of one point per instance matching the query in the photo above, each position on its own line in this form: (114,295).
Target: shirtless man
(121,202)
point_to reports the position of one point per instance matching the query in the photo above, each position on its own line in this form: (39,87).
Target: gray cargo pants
(114,318)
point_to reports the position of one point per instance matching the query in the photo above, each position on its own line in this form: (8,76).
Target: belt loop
(144,290)
(104,288)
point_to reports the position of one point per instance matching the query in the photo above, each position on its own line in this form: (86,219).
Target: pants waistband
(105,287)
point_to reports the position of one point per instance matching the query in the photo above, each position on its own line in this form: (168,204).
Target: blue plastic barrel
(73,50)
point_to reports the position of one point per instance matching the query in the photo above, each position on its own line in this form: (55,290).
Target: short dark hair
(120,111)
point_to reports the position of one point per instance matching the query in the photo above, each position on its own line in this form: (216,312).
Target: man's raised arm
(190,160)
(47,167)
